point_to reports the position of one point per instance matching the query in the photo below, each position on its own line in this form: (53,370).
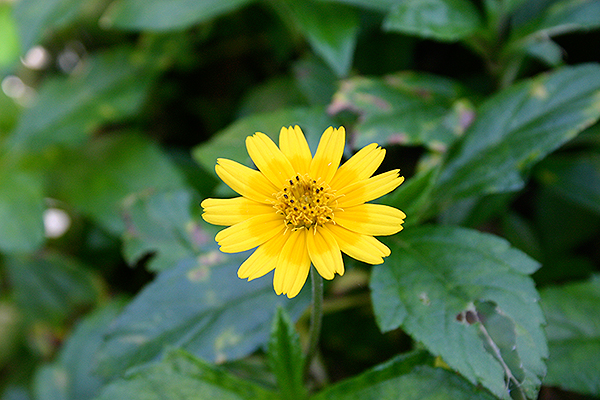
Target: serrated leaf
(404,377)
(71,376)
(165,15)
(21,210)
(446,20)
(331,30)
(183,377)
(62,286)
(439,274)
(404,108)
(519,126)
(112,85)
(286,358)
(129,163)
(229,143)
(162,223)
(573,332)
(199,305)
(574,177)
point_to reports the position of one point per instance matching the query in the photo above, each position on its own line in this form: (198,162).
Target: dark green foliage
(114,112)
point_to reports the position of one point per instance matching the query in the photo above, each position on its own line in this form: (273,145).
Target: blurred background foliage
(113,112)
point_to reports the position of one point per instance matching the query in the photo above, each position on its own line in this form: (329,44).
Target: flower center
(305,202)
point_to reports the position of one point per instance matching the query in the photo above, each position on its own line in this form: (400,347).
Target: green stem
(316,316)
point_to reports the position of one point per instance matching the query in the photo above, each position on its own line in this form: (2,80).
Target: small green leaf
(576,178)
(447,20)
(519,126)
(381,5)
(164,15)
(573,336)
(405,108)
(404,377)
(201,306)
(111,86)
(129,164)
(21,210)
(316,81)
(330,29)
(229,143)
(432,287)
(183,377)
(286,358)
(62,286)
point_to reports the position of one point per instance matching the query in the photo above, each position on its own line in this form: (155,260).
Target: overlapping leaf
(468,298)
(405,108)
(407,377)
(518,127)
(181,376)
(111,85)
(199,305)
(110,169)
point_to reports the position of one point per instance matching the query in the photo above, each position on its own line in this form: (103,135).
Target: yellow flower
(297,209)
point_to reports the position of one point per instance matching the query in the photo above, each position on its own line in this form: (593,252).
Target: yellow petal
(293,264)
(293,144)
(246,181)
(361,247)
(269,159)
(359,167)
(329,153)
(264,259)
(232,211)
(371,219)
(369,189)
(250,233)
(324,253)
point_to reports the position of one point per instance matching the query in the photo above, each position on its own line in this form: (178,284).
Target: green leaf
(199,305)
(129,163)
(37,18)
(229,143)
(436,288)
(330,29)
(62,286)
(111,86)
(315,80)
(519,126)
(9,45)
(576,178)
(21,210)
(562,17)
(71,376)
(164,15)
(381,5)
(183,377)
(286,358)
(404,377)
(162,223)
(447,20)
(407,108)
(573,335)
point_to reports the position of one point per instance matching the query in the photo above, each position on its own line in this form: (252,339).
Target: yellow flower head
(297,209)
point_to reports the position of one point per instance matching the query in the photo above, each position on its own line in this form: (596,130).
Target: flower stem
(316,316)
